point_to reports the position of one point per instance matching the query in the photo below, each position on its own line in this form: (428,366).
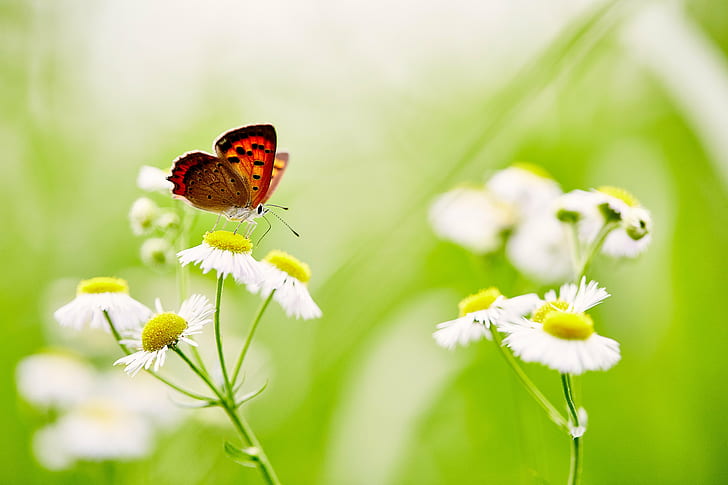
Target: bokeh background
(383,106)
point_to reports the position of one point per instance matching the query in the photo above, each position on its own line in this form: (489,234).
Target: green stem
(550,409)
(593,249)
(577,450)
(126,351)
(218,339)
(183,272)
(241,425)
(575,248)
(249,338)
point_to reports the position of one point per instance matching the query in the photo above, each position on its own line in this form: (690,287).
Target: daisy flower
(227,253)
(153,179)
(477,313)
(165,330)
(96,295)
(142,215)
(97,429)
(539,248)
(156,252)
(54,379)
(470,217)
(525,186)
(591,210)
(560,335)
(288,277)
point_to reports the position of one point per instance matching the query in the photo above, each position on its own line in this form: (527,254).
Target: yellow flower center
(568,326)
(102,284)
(162,331)
(481,300)
(621,194)
(550,306)
(288,264)
(533,168)
(227,241)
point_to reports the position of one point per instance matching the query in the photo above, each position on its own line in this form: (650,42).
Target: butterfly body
(237,180)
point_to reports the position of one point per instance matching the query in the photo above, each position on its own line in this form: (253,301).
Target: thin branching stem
(535,393)
(249,338)
(577,450)
(218,339)
(241,425)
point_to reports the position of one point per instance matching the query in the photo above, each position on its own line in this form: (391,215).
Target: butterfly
(236,181)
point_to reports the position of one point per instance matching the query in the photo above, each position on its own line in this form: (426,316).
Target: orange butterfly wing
(279,166)
(251,151)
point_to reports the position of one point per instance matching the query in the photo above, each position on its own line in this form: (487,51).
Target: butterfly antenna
(286,224)
(277,206)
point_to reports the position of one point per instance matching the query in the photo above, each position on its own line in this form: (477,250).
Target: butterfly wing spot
(251,153)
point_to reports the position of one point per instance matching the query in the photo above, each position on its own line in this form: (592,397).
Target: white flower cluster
(555,331)
(160,225)
(523,207)
(98,416)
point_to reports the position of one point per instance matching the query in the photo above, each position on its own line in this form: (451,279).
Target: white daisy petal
(471,218)
(153,179)
(528,188)
(96,295)
(195,313)
(460,331)
(565,356)
(227,254)
(288,277)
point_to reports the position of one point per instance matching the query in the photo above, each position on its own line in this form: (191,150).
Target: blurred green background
(382,107)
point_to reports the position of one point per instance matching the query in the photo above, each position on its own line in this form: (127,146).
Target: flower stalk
(249,338)
(575,464)
(551,411)
(227,402)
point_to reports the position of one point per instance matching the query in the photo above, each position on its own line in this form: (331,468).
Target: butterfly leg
(251,227)
(216,222)
(237,227)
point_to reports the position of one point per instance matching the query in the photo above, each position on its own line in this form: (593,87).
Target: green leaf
(242,456)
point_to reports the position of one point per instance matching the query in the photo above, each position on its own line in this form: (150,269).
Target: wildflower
(470,217)
(527,187)
(165,330)
(167,220)
(288,277)
(632,223)
(98,295)
(142,215)
(98,429)
(226,253)
(153,179)
(539,248)
(477,313)
(157,251)
(54,379)
(560,335)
